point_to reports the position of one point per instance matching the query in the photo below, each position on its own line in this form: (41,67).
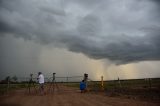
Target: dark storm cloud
(123,51)
(122,31)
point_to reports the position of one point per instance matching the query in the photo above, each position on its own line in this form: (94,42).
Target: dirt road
(69,97)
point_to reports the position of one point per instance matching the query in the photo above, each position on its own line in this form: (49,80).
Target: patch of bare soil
(67,96)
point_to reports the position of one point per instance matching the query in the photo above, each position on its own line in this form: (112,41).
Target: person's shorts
(41,85)
(82,88)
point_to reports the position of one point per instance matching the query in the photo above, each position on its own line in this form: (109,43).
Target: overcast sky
(72,37)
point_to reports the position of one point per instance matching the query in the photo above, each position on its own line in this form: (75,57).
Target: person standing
(41,82)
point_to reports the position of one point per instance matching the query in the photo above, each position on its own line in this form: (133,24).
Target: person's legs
(82,91)
(41,88)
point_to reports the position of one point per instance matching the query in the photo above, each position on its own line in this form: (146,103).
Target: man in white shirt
(41,82)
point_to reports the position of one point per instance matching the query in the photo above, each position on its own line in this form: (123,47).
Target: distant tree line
(7,79)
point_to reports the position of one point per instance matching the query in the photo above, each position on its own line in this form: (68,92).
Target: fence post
(8,83)
(102,83)
(150,84)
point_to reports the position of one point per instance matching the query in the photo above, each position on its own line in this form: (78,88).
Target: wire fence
(29,83)
(149,86)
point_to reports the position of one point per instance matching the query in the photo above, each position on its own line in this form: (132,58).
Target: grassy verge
(4,88)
